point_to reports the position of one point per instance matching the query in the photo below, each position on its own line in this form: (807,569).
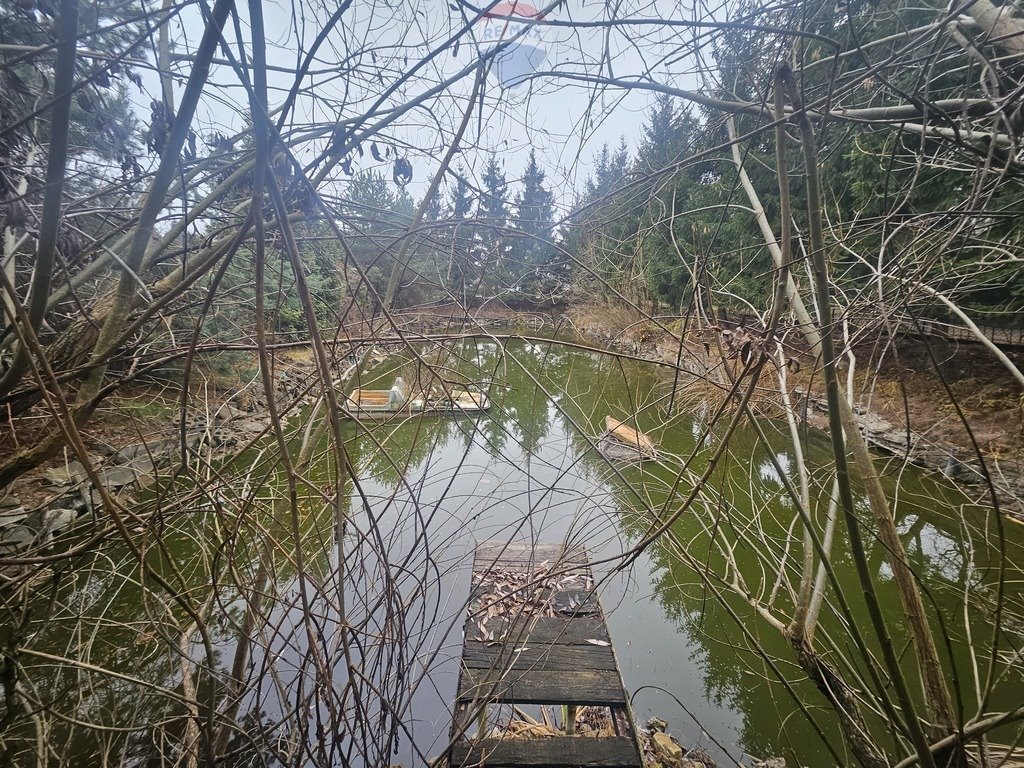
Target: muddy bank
(901,404)
(135,441)
(136,437)
(901,398)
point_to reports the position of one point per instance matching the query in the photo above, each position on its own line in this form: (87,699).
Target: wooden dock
(535,634)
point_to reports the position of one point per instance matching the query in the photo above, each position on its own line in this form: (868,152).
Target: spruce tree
(609,170)
(492,213)
(665,140)
(433,211)
(462,200)
(104,155)
(533,250)
(661,140)
(493,200)
(375,215)
(461,273)
(602,232)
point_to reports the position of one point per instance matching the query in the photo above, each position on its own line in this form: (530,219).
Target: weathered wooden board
(550,658)
(562,752)
(630,436)
(576,601)
(506,560)
(519,547)
(370,395)
(587,686)
(545,643)
(544,629)
(530,589)
(517,553)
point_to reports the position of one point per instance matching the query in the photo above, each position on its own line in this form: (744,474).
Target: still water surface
(527,470)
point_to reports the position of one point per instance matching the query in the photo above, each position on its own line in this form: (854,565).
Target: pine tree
(620,163)
(609,170)
(602,232)
(375,215)
(433,211)
(369,200)
(667,137)
(661,141)
(596,185)
(493,200)
(103,123)
(102,130)
(462,271)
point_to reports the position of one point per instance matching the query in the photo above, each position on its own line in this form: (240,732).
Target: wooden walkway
(535,634)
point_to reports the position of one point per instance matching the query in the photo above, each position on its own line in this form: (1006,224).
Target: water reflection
(430,487)
(668,629)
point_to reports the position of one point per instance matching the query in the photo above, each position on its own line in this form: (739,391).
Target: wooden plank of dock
(535,634)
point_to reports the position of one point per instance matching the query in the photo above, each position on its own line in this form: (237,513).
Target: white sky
(564,122)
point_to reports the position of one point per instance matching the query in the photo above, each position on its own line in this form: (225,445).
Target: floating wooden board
(632,437)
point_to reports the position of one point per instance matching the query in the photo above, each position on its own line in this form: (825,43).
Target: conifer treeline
(478,243)
(671,225)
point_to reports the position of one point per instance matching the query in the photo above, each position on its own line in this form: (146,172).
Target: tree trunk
(1000,24)
(835,689)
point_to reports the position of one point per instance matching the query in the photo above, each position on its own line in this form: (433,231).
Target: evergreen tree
(533,250)
(492,216)
(596,186)
(461,270)
(620,163)
(661,142)
(670,134)
(462,200)
(430,252)
(433,211)
(375,216)
(103,137)
(369,202)
(609,170)
(103,124)
(493,201)
(603,231)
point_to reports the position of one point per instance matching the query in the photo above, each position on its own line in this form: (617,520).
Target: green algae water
(393,557)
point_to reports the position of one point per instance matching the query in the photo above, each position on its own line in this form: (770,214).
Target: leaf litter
(507,594)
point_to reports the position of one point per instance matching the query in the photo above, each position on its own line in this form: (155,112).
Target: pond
(387,595)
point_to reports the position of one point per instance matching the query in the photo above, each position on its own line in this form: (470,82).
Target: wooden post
(570,720)
(481,722)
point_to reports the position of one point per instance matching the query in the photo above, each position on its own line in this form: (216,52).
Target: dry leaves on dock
(593,722)
(515,593)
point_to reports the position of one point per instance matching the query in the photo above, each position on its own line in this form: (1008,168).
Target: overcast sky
(378,41)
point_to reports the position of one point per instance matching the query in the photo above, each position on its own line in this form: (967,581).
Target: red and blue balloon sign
(521,24)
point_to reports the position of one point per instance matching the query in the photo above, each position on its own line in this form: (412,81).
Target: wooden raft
(536,634)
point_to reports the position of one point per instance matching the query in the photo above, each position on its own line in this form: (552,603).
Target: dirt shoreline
(135,437)
(903,407)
